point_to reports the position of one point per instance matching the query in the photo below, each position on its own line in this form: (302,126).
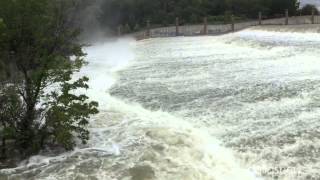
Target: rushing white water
(237,106)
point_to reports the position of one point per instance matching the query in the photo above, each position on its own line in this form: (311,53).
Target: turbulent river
(238,106)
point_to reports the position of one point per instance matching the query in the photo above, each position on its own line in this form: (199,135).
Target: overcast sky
(316,2)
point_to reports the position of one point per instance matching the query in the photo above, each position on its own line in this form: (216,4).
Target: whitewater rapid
(238,106)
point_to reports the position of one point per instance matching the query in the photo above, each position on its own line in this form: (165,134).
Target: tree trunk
(26,129)
(26,138)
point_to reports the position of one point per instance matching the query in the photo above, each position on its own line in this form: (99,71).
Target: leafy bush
(39,105)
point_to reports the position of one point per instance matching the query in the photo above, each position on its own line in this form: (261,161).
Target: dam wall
(217,29)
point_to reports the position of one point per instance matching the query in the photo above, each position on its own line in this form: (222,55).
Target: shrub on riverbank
(39,53)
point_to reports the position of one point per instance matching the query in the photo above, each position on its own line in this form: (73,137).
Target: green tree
(10,112)
(3,72)
(308,8)
(132,12)
(39,47)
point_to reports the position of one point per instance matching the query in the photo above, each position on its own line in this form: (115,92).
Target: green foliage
(163,12)
(216,19)
(11,109)
(126,28)
(39,48)
(136,27)
(3,73)
(69,113)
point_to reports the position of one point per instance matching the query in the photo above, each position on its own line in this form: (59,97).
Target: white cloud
(315,2)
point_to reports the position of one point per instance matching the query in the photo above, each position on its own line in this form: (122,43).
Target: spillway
(244,105)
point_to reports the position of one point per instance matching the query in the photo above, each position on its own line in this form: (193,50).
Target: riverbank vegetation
(40,103)
(133,15)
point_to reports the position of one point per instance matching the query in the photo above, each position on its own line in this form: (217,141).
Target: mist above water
(86,16)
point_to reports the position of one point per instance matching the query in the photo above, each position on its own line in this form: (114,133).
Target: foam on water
(130,142)
(256,90)
(238,106)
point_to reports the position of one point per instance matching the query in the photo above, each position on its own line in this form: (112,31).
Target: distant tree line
(307,10)
(132,15)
